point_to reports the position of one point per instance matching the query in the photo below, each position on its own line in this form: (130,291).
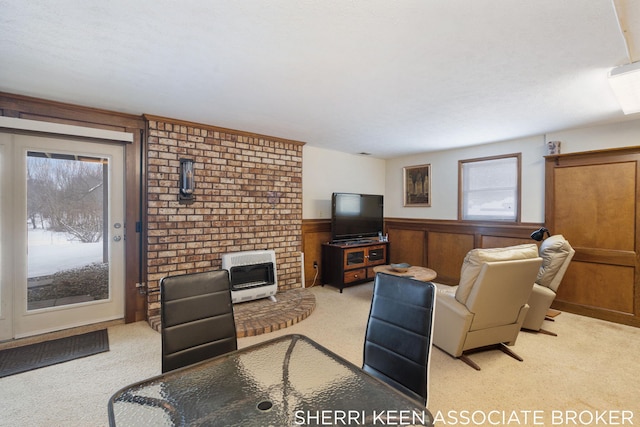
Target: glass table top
(287,381)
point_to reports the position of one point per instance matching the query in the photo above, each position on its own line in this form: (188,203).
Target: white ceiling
(384,77)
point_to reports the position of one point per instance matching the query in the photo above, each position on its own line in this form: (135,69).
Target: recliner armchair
(556,254)
(489,305)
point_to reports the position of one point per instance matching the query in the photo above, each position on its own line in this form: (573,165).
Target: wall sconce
(187,182)
(538,235)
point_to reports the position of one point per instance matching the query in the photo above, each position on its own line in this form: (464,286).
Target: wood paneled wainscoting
(436,244)
(442,245)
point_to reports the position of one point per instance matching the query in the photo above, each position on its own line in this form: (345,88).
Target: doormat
(47,353)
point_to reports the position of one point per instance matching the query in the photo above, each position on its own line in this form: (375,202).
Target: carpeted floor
(33,356)
(591,366)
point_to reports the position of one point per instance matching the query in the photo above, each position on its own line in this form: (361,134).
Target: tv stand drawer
(355,275)
(377,255)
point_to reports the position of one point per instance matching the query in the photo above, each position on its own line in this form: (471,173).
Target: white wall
(597,137)
(444,179)
(327,171)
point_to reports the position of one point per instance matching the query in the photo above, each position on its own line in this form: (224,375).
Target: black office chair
(397,343)
(197,318)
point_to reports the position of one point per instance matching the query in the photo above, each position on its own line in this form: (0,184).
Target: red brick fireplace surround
(248,196)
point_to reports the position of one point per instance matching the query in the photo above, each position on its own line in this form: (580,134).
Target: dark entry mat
(33,356)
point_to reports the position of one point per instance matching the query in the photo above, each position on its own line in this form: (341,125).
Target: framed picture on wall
(417,185)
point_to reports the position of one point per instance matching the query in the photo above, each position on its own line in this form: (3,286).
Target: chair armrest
(451,323)
(539,302)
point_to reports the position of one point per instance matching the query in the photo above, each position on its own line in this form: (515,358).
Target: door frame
(6,257)
(50,112)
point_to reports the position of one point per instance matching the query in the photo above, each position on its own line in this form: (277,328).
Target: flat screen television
(356,216)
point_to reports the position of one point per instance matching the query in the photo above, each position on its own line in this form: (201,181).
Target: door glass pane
(66,216)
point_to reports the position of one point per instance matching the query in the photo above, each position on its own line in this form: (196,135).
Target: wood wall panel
(608,287)
(407,246)
(314,234)
(446,254)
(501,241)
(595,205)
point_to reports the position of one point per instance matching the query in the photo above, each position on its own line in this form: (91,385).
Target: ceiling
(389,78)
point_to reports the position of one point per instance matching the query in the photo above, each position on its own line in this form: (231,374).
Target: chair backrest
(501,291)
(475,260)
(197,318)
(556,254)
(398,338)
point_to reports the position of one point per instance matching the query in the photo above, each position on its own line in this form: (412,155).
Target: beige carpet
(590,368)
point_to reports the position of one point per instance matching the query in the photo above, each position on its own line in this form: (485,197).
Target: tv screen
(356,216)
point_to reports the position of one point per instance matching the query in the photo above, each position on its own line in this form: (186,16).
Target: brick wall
(248,191)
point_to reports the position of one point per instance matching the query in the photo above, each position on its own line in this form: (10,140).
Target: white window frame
(512,164)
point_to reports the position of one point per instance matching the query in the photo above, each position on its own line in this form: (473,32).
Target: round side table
(419,273)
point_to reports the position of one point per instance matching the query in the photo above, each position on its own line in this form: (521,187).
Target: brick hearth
(263,316)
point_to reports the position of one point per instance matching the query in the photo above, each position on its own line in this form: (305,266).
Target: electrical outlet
(315,265)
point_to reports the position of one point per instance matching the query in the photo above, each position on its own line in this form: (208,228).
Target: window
(489,188)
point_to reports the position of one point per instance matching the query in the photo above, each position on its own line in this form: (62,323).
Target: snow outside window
(490,188)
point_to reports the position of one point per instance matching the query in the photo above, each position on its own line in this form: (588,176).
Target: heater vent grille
(252,274)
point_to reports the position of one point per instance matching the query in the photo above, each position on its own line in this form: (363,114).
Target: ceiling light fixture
(625,82)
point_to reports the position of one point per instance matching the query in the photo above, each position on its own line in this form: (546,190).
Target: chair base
(465,358)
(544,331)
(540,331)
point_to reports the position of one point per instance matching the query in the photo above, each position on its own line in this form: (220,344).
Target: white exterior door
(61,234)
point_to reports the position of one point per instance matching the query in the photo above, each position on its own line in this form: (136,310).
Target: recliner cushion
(476,257)
(554,252)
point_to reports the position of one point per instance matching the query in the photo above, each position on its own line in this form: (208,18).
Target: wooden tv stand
(350,263)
